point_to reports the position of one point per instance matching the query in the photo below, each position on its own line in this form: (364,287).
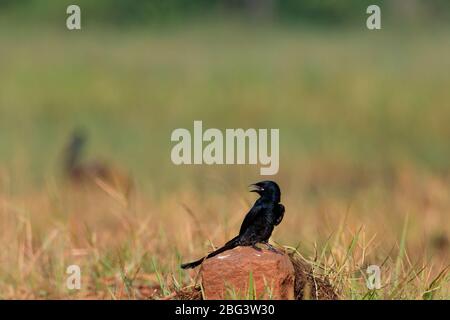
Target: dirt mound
(307,283)
(247,273)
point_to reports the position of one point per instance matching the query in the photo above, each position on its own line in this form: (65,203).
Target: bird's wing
(280,214)
(250,217)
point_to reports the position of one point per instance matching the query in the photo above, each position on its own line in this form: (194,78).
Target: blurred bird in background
(80,172)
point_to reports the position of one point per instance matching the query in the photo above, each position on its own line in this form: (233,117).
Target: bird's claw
(256,248)
(272,248)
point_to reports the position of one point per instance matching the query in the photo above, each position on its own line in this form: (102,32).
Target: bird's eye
(262,189)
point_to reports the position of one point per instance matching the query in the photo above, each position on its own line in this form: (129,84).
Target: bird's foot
(256,248)
(271,248)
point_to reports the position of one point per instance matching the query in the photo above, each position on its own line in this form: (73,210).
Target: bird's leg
(271,247)
(255,247)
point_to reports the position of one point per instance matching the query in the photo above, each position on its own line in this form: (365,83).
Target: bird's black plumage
(258,224)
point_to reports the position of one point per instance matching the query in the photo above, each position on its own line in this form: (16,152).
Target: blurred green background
(339,93)
(151,12)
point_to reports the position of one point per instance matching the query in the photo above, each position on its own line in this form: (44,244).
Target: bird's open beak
(255,188)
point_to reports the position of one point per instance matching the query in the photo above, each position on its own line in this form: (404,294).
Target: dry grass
(132,249)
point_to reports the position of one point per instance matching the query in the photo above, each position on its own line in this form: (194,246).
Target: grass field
(364,155)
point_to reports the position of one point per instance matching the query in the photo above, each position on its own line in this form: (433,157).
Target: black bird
(258,224)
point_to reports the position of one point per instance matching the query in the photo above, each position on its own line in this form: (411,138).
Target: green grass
(370,99)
